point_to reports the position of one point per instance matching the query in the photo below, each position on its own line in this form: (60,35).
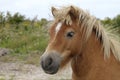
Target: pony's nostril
(49,61)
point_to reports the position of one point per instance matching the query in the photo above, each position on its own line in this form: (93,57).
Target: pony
(80,38)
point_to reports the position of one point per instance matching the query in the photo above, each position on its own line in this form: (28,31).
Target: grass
(2,77)
(21,41)
(26,44)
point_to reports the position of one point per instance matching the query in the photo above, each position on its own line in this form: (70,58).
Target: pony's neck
(91,59)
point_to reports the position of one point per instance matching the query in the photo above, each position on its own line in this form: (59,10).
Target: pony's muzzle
(51,62)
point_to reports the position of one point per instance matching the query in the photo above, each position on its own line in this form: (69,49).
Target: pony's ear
(73,12)
(53,10)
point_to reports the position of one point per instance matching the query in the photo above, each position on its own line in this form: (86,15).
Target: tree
(43,21)
(116,21)
(2,19)
(107,21)
(16,19)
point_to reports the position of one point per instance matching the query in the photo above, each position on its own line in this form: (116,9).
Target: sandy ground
(20,71)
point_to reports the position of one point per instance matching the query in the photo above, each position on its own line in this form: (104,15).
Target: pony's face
(63,45)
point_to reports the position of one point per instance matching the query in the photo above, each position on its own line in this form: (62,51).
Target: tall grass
(24,40)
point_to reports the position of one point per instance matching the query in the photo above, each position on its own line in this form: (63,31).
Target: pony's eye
(70,34)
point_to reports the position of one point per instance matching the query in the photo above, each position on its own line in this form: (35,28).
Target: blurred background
(24,25)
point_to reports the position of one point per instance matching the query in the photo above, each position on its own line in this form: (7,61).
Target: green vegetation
(26,38)
(22,41)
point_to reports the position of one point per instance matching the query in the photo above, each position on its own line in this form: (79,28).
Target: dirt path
(20,71)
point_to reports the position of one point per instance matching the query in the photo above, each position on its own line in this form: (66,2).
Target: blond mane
(89,23)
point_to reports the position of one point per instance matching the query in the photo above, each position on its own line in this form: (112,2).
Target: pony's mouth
(51,63)
(51,70)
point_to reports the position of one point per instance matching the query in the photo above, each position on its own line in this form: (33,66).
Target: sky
(42,8)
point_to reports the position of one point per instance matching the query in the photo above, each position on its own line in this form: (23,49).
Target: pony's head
(65,35)
(69,34)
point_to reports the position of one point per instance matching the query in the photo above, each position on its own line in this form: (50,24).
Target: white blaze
(58,27)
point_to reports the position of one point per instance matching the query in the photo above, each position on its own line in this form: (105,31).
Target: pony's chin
(51,72)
